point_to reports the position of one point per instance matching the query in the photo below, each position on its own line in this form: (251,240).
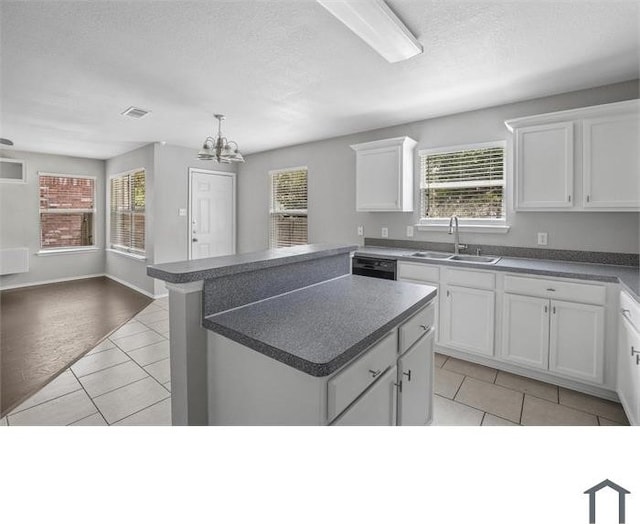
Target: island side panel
(248,388)
(188,355)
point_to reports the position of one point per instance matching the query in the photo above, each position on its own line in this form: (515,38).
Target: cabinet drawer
(466,278)
(347,385)
(416,326)
(630,309)
(419,272)
(587,293)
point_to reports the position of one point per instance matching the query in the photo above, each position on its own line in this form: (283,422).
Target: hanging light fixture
(219,148)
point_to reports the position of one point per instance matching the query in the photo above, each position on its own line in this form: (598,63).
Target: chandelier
(219,148)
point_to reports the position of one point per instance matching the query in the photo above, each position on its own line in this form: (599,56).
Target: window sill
(467,228)
(66,251)
(125,254)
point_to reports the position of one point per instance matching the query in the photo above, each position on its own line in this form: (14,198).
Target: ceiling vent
(135,112)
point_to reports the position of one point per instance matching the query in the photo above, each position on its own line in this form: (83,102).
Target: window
(67,210)
(288,216)
(126,212)
(467,181)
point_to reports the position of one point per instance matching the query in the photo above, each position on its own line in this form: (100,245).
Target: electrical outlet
(385,232)
(542,239)
(182,212)
(360,231)
(409,231)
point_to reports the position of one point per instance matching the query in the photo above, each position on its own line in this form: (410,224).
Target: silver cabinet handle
(408,375)
(398,385)
(194,240)
(626,313)
(554,310)
(550,289)
(426,328)
(634,351)
(374,374)
(546,308)
(637,360)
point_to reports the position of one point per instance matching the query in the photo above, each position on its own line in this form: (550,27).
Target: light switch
(409,231)
(385,232)
(542,239)
(182,212)
(360,231)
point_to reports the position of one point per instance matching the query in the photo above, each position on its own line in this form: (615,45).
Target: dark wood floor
(44,329)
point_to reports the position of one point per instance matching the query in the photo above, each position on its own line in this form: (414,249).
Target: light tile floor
(125,380)
(468,394)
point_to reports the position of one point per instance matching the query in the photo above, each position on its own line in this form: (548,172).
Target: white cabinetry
(592,151)
(629,358)
(384,175)
(564,337)
(525,324)
(576,340)
(377,407)
(611,164)
(544,164)
(467,310)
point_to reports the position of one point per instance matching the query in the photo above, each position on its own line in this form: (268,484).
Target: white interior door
(212,216)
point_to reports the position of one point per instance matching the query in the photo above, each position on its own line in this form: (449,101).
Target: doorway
(212,213)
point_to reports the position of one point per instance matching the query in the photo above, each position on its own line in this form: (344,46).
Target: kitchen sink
(431,254)
(478,259)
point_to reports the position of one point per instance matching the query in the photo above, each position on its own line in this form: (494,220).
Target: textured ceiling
(283,71)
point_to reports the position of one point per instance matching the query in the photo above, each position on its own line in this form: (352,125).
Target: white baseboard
(135,288)
(52,281)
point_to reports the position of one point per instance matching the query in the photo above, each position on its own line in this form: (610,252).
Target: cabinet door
(415,372)
(611,162)
(544,166)
(525,338)
(376,407)
(467,319)
(576,345)
(629,370)
(378,179)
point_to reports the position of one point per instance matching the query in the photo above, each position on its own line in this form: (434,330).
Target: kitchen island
(289,336)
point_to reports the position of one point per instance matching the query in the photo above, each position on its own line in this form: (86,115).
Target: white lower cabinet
(526,330)
(629,368)
(576,340)
(467,319)
(376,407)
(415,376)
(564,337)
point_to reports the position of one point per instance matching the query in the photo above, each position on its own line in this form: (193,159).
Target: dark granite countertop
(627,276)
(320,328)
(194,270)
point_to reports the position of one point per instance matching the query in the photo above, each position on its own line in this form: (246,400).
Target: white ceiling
(284,71)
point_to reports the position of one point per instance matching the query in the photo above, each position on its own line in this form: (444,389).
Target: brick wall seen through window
(67,209)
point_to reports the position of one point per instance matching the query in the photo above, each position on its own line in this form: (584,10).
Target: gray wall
(119,265)
(331,163)
(20,220)
(167,170)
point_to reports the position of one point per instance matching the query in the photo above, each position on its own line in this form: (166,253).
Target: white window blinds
(127,208)
(288,214)
(466,182)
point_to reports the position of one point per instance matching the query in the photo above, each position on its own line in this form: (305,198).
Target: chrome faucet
(453,229)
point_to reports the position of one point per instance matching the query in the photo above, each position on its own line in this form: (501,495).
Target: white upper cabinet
(611,165)
(544,156)
(591,151)
(384,175)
